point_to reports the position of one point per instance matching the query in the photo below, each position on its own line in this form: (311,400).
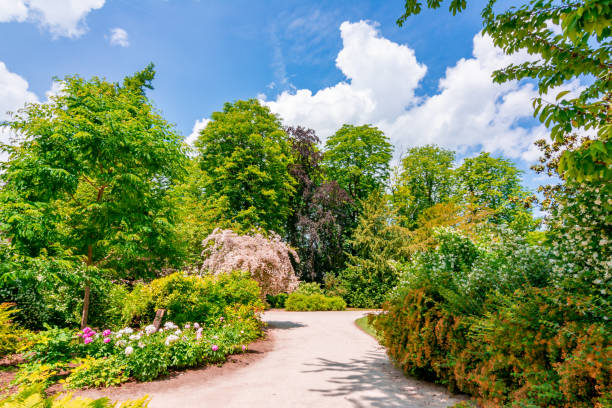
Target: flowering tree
(268,259)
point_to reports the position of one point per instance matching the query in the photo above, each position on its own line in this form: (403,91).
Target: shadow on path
(284,325)
(373,382)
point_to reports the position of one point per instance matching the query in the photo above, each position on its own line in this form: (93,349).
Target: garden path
(317,359)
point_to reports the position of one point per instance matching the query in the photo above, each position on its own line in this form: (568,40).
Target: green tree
(358,158)
(91,175)
(378,245)
(487,182)
(581,50)
(245,156)
(426,179)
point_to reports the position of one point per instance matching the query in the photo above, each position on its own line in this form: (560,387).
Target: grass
(364,325)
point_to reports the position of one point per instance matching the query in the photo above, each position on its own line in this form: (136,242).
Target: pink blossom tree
(268,259)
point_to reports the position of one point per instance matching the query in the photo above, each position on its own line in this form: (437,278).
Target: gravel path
(316,359)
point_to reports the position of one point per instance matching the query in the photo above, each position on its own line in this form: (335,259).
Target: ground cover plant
(33,396)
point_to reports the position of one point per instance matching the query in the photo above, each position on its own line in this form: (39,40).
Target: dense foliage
(190,298)
(379,246)
(90,177)
(245,155)
(484,320)
(313,302)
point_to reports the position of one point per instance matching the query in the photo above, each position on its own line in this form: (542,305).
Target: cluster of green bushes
(490,320)
(190,298)
(299,302)
(309,296)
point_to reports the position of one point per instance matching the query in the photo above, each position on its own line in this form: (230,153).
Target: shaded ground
(312,359)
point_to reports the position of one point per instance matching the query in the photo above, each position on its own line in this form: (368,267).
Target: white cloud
(118,36)
(195,132)
(14,94)
(468,112)
(382,77)
(12,10)
(62,18)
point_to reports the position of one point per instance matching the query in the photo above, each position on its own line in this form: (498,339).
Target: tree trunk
(85,306)
(87,289)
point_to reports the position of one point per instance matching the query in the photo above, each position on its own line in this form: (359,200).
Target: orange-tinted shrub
(533,348)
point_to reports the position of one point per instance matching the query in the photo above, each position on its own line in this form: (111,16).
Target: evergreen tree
(378,245)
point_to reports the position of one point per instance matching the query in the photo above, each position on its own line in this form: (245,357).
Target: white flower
(196,325)
(161,330)
(121,343)
(150,329)
(187,326)
(170,339)
(129,350)
(178,332)
(135,336)
(170,326)
(141,344)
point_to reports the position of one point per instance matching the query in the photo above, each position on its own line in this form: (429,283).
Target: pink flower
(107,339)
(88,340)
(87,330)
(243,347)
(79,334)
(222,318)
(215,347)
(106,333)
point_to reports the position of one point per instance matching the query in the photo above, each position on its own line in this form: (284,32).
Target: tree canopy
(90,175)
(245,156)
(358,158)
(427,178)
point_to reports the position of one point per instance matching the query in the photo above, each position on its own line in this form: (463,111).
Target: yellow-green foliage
(11,337)
(98,372)
(33,397)
(189,298)
(300,302)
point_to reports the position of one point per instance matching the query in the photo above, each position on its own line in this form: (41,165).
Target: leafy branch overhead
(570,41)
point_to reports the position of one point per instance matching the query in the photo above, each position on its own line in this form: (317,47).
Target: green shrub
(484,321)
(300,302)
(277,301)
(190,298)
(53,345)
(309,288)
(101,372)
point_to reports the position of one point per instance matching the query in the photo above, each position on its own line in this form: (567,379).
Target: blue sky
(297,56)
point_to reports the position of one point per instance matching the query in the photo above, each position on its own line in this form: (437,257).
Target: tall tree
(245,156)
(378,245)
(571,40)
(321,210)
(90,174)
(426,179)
(306,170)
(491,183)
(358,158)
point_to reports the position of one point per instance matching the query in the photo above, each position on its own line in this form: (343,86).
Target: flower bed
(91,358)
